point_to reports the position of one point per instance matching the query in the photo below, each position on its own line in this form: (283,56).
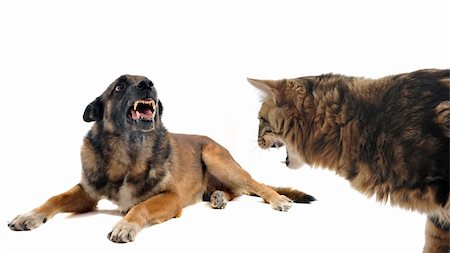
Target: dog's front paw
(124,232)
(282,203)
(27,221)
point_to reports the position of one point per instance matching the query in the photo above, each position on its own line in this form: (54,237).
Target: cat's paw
(27,221)
(123,232)
(282,203)
(218,200)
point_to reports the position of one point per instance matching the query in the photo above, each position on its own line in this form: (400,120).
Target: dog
(129,158)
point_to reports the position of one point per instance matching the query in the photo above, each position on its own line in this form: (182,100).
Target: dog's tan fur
(149,173)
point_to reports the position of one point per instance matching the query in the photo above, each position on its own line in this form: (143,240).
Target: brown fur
(149,173)
(389,137)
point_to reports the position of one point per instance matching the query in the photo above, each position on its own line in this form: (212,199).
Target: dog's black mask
(129,103)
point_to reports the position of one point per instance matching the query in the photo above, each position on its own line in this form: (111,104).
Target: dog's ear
(160,108)
(94,111)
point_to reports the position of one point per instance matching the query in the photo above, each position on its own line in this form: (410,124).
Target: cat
(389,137)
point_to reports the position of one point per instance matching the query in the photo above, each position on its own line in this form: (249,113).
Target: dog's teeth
(152,104)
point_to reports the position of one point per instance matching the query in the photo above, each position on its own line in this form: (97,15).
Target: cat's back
(403,122)
(395,101)
(429,84)
(407,100)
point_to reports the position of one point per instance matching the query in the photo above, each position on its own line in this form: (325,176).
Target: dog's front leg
(75,200)
(155,210)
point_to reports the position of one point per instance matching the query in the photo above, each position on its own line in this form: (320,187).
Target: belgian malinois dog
(130,158)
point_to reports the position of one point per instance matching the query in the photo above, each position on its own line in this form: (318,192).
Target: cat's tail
(295,195)
(443,117)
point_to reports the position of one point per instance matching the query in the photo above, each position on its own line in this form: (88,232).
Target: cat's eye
(263,120)
(119,87)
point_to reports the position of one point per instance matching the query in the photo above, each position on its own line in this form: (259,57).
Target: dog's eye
(119,87)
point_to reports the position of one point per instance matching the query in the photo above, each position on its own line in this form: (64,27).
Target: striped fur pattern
(389,137)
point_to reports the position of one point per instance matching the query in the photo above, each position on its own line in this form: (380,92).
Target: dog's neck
(152,146)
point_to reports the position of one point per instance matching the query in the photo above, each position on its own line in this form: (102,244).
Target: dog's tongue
(135,114)
(146,115)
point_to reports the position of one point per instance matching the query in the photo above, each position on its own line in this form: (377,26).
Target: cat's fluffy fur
(389,137)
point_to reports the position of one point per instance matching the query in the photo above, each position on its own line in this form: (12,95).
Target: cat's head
(279,117)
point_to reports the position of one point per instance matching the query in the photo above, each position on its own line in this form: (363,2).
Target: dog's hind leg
(75,200)
(217,193)
(295,195)
(222,166)
(219,199)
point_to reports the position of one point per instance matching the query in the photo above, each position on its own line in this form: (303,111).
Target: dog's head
(130,103)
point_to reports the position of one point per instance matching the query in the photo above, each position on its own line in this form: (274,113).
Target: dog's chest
(125,193)
(132,189)
(126,189)
(126,197)
(123,174)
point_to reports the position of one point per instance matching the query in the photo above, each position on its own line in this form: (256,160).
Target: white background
(57,56)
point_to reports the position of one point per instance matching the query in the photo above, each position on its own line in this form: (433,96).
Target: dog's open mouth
(142,109)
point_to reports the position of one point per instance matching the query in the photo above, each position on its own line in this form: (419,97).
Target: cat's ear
(269,87)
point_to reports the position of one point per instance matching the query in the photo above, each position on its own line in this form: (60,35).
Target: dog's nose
(145,84)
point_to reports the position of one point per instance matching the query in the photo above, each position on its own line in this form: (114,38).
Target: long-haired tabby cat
(389,137)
